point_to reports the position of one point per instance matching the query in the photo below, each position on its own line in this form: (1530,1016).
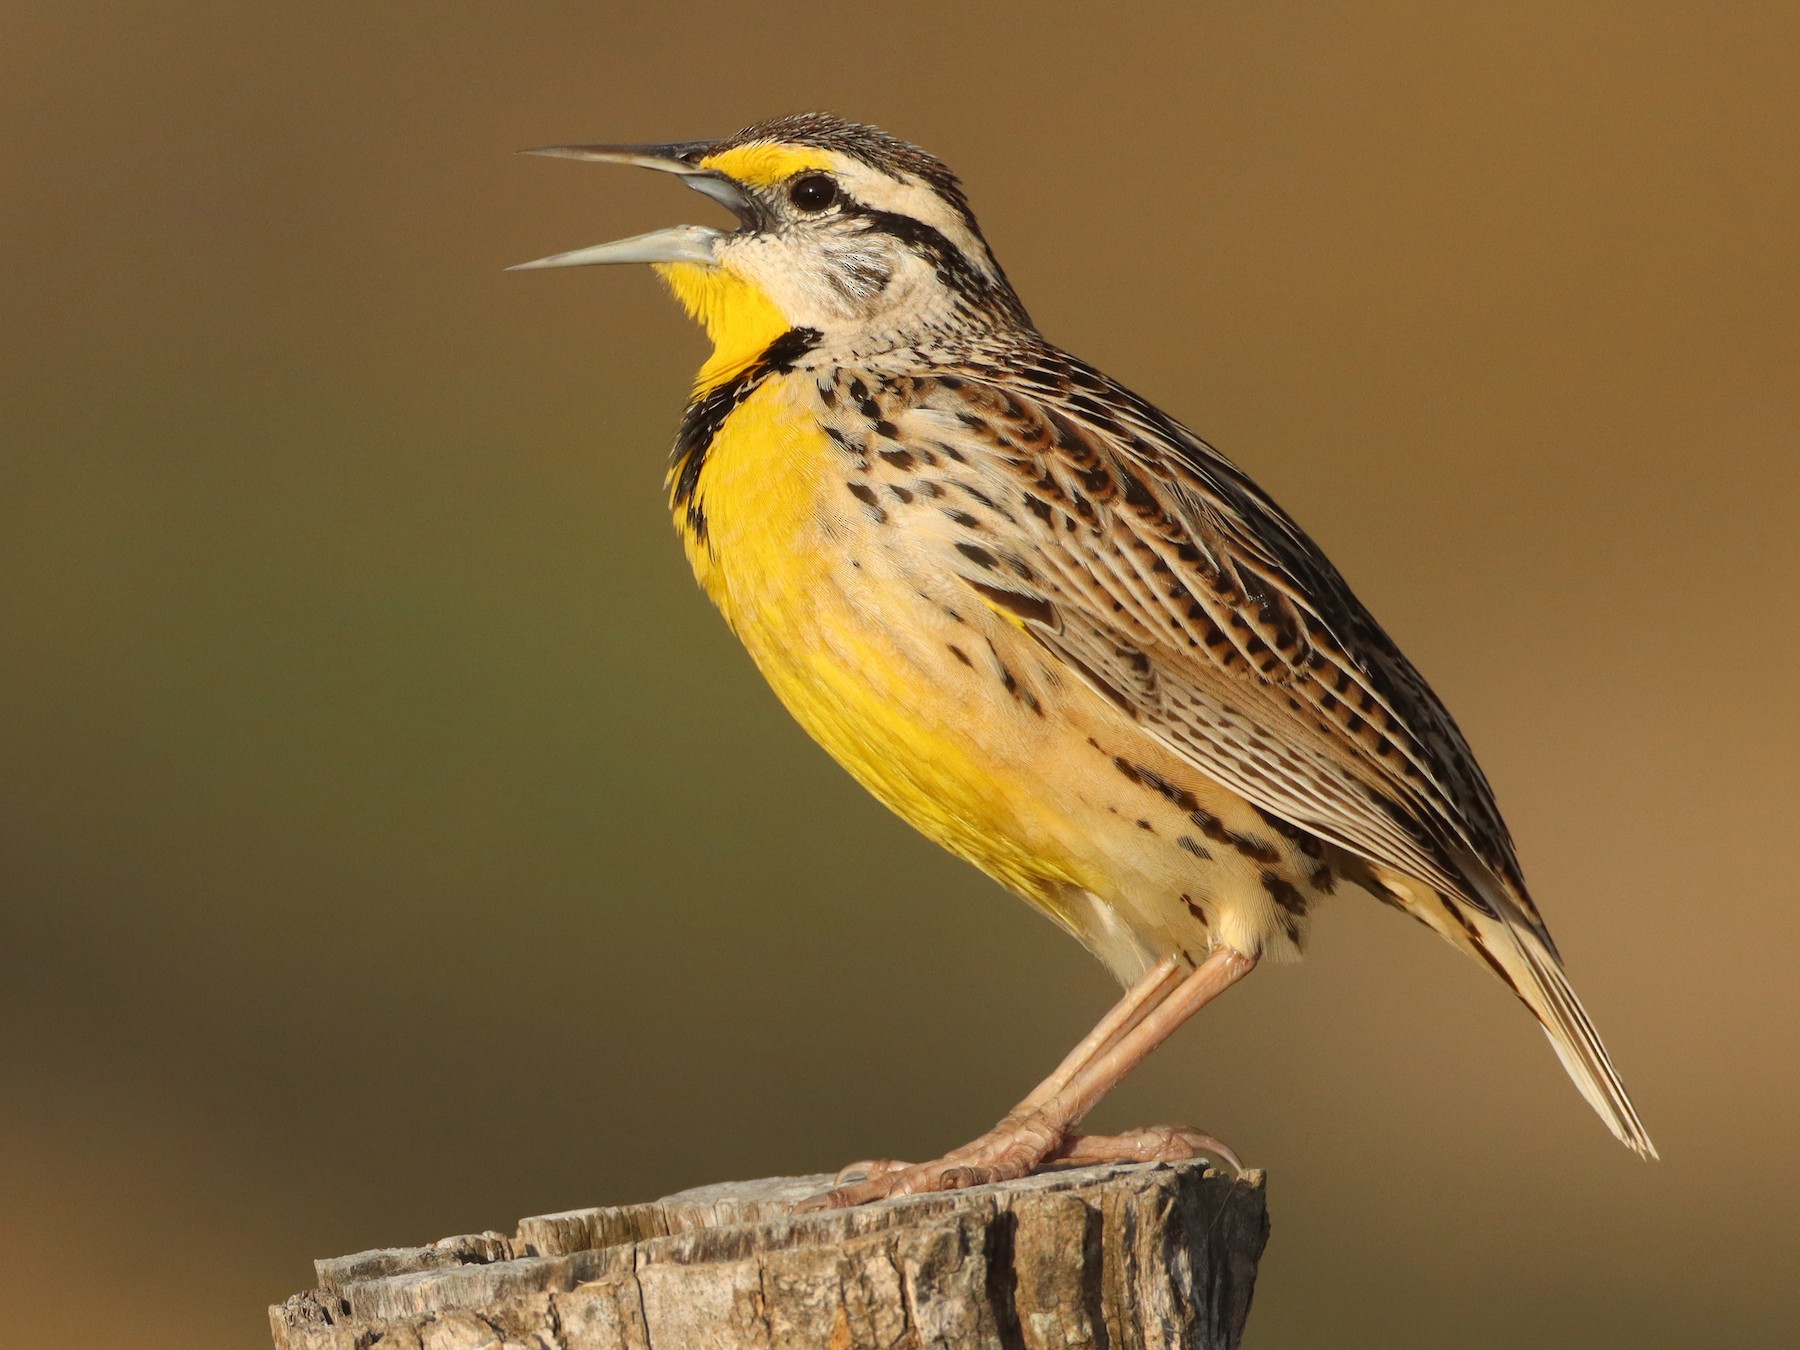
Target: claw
(869,1169)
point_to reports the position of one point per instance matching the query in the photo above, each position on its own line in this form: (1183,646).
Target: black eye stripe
(952,265)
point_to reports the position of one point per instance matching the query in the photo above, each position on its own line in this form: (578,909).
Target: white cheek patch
(816,288)
(857,274)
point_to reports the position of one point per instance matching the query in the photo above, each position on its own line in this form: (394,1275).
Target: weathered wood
(1148,1255)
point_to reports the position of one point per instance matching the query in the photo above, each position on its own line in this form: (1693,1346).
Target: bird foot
(1012,1149)
(1017,1147)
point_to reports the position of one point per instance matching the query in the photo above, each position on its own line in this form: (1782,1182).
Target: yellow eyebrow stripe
(761,166)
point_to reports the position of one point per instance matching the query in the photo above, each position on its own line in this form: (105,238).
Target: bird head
(842,229)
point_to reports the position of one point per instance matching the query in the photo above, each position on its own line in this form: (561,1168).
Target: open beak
(680,243)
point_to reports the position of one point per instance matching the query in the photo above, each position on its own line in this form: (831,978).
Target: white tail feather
(1540,981)
(1510,944)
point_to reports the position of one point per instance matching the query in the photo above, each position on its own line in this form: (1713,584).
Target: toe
(1158,1143)
(842,1197)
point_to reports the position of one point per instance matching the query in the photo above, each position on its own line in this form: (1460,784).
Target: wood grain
(1147,1255)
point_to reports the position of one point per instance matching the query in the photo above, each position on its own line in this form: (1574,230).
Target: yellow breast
(802,577)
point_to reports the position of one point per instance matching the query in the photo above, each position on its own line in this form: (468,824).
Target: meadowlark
(1048,625)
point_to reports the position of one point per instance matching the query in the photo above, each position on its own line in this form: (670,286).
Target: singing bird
(1048,625)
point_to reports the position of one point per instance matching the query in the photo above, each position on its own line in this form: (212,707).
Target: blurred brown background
(394,844)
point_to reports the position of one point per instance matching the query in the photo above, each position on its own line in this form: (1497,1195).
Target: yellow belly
(856,655)
(955,720)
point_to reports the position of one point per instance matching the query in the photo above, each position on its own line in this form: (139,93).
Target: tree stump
(1150,1255)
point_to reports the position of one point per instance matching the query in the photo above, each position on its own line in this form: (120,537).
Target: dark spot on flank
(1214,829)
(1040,508)
(1323,879)
(1309,844)
(1146,825)
(901,495)
(866,495)
(1194,846)
(1194,909)
(1007,679)
(1125,767)
(960,655)
(883,427)
(1210,825)
(1028,607)
(963,518)
(1284,894)
(979,556)
(900,459)
(976,494)
(1183,799)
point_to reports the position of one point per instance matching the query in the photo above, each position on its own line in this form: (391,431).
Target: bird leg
(1040,1130)
(1155,985)
(1151,988)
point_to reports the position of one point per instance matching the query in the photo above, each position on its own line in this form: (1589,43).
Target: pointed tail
(1518,950)
(1537,975)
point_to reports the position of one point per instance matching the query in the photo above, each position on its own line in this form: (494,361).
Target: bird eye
(814,192)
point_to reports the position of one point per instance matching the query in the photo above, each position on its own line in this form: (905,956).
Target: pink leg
(1042,1127)
(1152,987)
(1143,998)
